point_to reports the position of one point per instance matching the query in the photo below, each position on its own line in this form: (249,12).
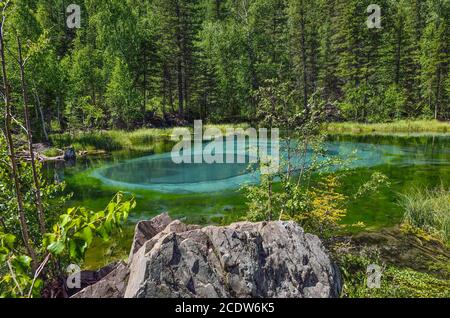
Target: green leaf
(86,235)
(64,219)
(21,263)
(77,249)
(3,254)
(8,240)
(56,248)
(49,238)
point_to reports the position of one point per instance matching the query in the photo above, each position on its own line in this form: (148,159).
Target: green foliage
(112,140)
(15,280)
(52,196)
(395,282)
(121,96)
(376,181)
(52,152)
(70,236)
(276,62)
(427,213)
(434,59)
(74,232)
(289,193)
(68,242)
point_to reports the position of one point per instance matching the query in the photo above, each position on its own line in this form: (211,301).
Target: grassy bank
(147,139)
(113,140)
(403,126)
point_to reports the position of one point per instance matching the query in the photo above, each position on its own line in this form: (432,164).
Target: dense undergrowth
(395,282)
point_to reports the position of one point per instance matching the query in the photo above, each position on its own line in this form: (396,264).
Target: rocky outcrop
(147,229)
(267,259)
(88,277)
(112,285)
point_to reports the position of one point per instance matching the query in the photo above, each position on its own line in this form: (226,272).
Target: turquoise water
(205,194)
(158,172)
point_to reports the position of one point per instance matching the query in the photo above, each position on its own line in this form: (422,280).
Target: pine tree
(121,97)
(434,59)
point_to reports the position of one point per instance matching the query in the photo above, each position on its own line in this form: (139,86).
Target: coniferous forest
(120,123)
(131,63)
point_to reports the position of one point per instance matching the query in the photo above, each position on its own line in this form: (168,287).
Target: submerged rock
(70,154)
(267,259)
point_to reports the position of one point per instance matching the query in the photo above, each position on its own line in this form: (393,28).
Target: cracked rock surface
(267,259)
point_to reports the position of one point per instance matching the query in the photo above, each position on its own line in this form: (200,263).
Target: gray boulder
(269,259)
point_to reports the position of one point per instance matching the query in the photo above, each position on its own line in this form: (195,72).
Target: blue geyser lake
(209,194)
(158,172)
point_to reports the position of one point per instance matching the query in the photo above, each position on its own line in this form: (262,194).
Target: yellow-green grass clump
(427,213)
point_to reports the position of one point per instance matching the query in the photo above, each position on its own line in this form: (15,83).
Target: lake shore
(146,138)
(380,213)
(402,127)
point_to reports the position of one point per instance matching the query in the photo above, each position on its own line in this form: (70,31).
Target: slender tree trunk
(37,187)
(38,102)
(58,113)
(180,89)
(179,62)
(11,152)
(93,94)
(252,60)
(303,50)
(270,198)
(218,15)
(438,94)
(185,85)
(145,86)
(164,101)
(398,58)
(170,88)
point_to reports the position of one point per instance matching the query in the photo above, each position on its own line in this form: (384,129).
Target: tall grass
(428,211)
(402,126)
(88,140)
(112,140)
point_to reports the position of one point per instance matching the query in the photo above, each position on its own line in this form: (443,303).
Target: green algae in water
(419,161)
